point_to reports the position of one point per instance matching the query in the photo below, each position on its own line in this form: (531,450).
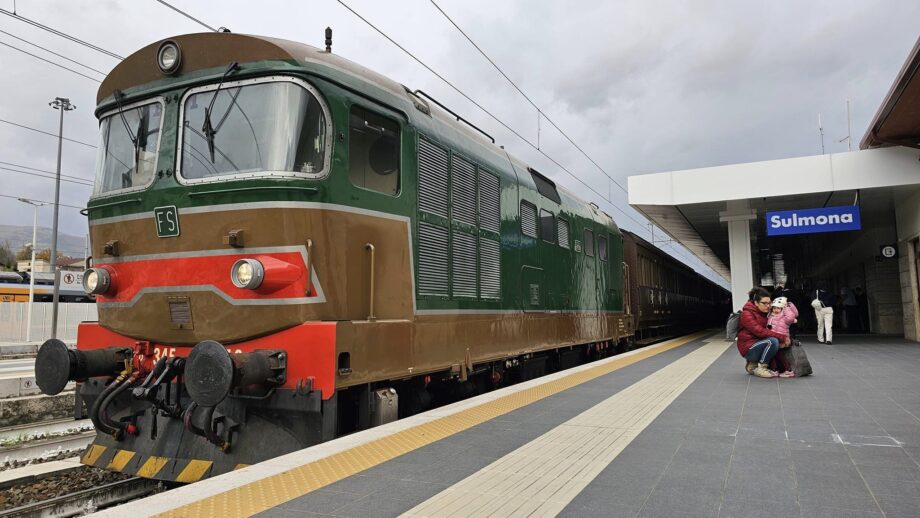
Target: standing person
(756,342)
(862,308)
(823,304)
(850,309)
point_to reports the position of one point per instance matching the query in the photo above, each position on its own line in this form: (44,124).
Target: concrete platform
(675,429)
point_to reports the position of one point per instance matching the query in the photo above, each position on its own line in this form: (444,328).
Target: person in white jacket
(823,304)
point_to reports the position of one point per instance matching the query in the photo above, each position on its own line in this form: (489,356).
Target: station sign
(813,221)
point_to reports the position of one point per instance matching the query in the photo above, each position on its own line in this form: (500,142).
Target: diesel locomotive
(288,247)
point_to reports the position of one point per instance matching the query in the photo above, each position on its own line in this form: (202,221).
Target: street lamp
(62,104)
(35,205)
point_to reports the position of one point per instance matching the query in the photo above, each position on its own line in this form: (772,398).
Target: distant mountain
(17,236)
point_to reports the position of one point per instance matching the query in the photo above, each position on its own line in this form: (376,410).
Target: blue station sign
(813,221)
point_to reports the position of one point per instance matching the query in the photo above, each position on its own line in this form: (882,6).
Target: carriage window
(547,226)
(128,149)
(602,248)
(589,243)
(253,128)
(373,151)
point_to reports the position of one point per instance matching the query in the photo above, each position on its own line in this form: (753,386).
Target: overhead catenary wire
(529,100)
(190,17)
(40,201)
(7,169)
(61,34)
(20,166)
(50,62)
(23,126)
(507,127)
(52,52)
(490,114)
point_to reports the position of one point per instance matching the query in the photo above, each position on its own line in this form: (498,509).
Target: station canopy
(897,122)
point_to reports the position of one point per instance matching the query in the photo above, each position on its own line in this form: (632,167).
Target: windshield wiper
(207,128)
(117,94)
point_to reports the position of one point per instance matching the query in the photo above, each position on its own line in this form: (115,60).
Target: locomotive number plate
(167,219)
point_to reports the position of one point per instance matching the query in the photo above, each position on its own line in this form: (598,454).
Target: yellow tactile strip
(255,497)
(541,477)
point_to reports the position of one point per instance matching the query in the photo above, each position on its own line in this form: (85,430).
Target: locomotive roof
(214,50)
(217,49)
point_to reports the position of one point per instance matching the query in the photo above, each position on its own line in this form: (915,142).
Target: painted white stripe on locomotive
(274,205)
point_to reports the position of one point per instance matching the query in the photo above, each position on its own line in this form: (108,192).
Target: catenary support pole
(62,104)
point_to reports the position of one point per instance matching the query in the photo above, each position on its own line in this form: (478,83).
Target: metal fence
(14,319)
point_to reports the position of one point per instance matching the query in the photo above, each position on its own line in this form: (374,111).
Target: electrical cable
(7,169)
(190,17)
(61,34)
(45,171)
(50,62)
(52,52)
(516,87)
(40,201)
(23,126)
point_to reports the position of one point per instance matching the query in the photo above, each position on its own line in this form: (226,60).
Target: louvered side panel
(463,265)
(432,178)
(463,191)
(489,269)
(562,229)
(528,219)
(489,202)
(432,259)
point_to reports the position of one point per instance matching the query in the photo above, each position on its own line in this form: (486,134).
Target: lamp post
(35,205)
(62,104)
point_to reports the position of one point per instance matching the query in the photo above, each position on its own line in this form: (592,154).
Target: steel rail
(88,500)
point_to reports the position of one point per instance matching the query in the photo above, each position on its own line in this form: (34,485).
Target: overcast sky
(641,86)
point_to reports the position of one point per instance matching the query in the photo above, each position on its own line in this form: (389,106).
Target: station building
(838,222)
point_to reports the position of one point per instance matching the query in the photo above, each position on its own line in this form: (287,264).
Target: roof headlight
(247,274)
(169,57)
(96,281)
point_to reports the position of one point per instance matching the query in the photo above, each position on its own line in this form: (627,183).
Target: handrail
(309,265)
(371,317)
(309,190)
(459,118)
(113,204)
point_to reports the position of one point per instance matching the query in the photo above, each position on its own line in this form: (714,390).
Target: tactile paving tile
(541,477)
(255,497)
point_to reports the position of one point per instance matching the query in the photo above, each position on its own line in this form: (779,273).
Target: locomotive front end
(215,345)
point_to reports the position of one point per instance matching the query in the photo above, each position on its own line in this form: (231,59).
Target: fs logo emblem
(167,219)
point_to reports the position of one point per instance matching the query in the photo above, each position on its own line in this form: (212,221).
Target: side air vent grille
(489,202)
(432,178)
(463,191)
(489,269)
(463,266)
(432,259)
(528,219)
(562,229)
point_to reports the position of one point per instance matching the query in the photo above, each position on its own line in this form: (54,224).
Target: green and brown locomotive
(289,247)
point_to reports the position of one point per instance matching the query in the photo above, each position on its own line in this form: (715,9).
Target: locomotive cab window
(265,127)
(602,248)
(373,151)
(128,148)
(589,243)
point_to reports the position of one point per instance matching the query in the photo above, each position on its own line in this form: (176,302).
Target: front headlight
(247,274)
(96,281)
(169,57)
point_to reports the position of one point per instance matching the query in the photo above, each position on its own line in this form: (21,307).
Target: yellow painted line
(92,454)
(543,476)
(194,471)
(122,458)
(255,497)
(239,466)
(152,466)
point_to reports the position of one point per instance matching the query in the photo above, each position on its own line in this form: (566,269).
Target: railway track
(40,448)
(88,500)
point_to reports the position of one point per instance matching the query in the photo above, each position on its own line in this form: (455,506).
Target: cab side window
(373,151)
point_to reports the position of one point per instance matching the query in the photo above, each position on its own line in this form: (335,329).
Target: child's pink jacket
(780,323)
